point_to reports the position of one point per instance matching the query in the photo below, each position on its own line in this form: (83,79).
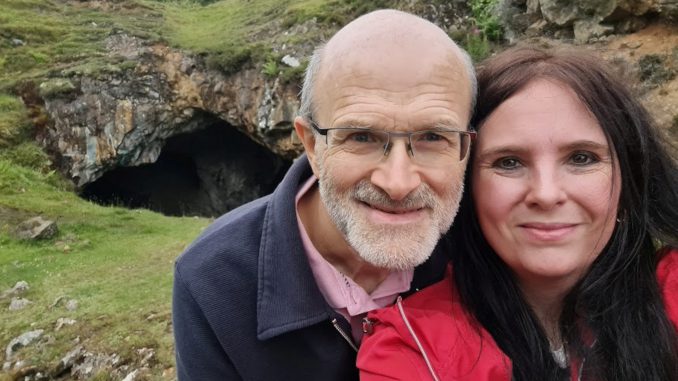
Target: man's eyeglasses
(435,147)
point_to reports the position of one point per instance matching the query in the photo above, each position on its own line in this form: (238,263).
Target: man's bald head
(379,41)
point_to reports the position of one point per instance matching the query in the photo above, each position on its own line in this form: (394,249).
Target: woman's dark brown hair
(617,303)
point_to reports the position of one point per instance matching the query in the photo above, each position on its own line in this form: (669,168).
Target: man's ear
(307,137)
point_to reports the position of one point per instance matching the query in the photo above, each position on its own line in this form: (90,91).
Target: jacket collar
(287,295)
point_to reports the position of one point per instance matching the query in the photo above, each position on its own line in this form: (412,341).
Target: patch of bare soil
(660,42)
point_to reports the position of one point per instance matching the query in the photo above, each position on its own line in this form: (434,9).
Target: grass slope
(117,263)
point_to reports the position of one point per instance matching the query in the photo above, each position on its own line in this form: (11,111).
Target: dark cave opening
(202,173)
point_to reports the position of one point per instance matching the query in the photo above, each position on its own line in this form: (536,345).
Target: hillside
(77,74)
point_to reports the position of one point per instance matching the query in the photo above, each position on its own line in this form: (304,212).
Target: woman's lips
(547,232)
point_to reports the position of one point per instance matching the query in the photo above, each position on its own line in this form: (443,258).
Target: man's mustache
(422,197)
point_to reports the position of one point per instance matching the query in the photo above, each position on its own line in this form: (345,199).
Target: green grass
(218,27)
(117,263)
(233,33)
(486,19)
(14,122)
(40,37)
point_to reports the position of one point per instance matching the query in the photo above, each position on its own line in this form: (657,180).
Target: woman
(556,275)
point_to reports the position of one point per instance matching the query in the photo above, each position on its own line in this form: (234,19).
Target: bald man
(277,289)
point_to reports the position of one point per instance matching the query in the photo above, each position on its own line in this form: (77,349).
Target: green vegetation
(14,122)
(334,12)
(27,154)
(486,19)
(477,46)
(38,37)
(271,69)
(116,263)
(235,33)
(654,71)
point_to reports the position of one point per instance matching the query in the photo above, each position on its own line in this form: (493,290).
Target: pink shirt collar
(341,292)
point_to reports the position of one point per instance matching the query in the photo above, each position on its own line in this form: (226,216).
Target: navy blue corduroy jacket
(245,303)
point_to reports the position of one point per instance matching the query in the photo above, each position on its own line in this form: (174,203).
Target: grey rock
(22,341)
(67,362)
(668,9)
(533,6)
(92,363)
(536,29)
(560,12)
(146,354)
(36,228)
(19,304)
(61,322)
(630,25)
(131,376)
(19,288)
(72,305)
(585,30)
(290,61)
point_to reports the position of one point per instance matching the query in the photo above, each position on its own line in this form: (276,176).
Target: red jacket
(455,345)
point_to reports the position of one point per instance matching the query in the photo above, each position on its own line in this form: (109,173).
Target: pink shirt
(340,291)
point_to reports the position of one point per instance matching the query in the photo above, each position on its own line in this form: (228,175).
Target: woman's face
(545,187)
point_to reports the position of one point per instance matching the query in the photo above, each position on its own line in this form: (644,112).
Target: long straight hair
(613,319)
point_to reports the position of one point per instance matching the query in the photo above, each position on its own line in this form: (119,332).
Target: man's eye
(361,137)
(507,163)
(431,137)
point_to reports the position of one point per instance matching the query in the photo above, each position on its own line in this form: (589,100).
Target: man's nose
(396,174)
(545,188)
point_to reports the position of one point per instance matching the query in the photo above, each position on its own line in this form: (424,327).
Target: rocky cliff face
(582,20)
(121,116)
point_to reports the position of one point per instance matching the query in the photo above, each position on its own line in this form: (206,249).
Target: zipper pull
(368,326)
(343,334)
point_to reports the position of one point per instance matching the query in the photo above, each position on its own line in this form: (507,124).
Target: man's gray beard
(387,246)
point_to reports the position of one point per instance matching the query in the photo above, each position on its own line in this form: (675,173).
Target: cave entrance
(202,173)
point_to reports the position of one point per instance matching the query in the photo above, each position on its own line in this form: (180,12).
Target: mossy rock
(55,87)
(654,69)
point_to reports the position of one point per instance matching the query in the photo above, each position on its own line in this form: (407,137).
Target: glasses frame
(387,147)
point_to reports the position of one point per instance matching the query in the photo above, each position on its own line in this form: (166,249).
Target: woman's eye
(507,163)
(583,158)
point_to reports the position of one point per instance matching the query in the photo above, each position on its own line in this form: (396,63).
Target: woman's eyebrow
(588,145)
(506,150)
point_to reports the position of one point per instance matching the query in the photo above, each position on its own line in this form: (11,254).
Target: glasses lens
(439,148)
(358,141)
